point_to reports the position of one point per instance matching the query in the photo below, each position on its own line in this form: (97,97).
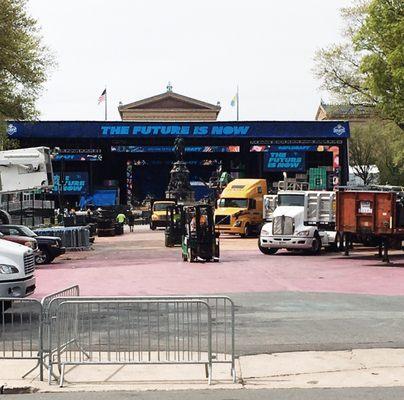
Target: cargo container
(371,218)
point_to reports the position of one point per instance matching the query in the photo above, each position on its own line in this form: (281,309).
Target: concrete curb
(337,369)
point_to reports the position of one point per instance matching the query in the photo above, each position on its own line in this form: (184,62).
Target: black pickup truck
(49,247)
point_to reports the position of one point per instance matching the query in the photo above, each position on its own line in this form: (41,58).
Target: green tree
(381,38)
(24,64)
(362,150)
(368,67)
(381,143)
(390,154)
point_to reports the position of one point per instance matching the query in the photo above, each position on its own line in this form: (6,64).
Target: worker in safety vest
(177,217)
(121,218)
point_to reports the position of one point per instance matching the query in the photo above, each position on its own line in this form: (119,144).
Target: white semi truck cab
(21,170)
(17,268)
(302,220)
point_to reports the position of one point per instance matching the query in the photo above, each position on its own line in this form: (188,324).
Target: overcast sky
(204,48)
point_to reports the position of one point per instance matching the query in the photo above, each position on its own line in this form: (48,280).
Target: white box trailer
(298,220)
(320,208)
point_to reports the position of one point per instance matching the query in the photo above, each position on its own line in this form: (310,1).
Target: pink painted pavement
(139,264)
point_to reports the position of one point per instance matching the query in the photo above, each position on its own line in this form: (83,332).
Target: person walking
(131,220)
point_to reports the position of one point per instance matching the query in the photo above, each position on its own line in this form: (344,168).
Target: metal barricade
(136,331)
(21,336)
(73,238)
(72,291)
(29,328)
(223,321)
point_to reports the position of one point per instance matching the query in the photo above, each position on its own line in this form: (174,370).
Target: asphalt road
(393,393)
(294,321)
(274,322)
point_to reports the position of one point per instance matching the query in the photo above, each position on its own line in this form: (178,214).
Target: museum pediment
(169,101)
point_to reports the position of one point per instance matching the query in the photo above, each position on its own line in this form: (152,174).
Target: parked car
(49,247)
(25,241)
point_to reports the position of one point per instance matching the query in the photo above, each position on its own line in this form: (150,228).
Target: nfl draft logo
(339,130)
(11,129)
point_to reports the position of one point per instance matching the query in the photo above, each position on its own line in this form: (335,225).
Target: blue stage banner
(284,161)
(281,147)
(120,129)
(75,183)
(276,147)
(170,149)
(78,157)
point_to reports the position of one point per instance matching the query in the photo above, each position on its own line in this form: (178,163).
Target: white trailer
(25,169)
(20,170)
(301,220)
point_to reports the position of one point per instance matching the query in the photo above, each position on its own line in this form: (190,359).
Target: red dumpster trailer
(373,218)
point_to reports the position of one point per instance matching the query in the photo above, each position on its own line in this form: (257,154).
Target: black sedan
(49,247)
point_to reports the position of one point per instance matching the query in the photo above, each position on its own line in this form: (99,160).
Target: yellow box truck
(240,207)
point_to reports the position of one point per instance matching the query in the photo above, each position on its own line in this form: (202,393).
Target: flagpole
(237,105)
(106,109)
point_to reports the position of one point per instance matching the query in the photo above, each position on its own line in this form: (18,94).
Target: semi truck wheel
(247,231)
(316,244)
(345,243)
(266,250)
(337,245)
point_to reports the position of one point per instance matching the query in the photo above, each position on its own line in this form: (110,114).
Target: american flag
(102,97)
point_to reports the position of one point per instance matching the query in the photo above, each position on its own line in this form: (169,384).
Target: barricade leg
(38,364)
(210,374)
(62,375)
(233,374)
(50,373)
(41,368)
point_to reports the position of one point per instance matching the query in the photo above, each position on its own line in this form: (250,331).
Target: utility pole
(106,107)
(238,110)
